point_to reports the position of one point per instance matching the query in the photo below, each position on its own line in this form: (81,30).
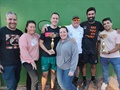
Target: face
(107,25)
(63,33)
(31,28)
(54,19)
(91,16)
(11,20)
(76,22)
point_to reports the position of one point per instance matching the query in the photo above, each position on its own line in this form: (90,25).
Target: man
(110,53)
(76,32)
(89,45)
(48,42)
(10,65)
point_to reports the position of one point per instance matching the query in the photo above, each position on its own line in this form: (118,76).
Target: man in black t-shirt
(10,65)
(89,45)
(48,42)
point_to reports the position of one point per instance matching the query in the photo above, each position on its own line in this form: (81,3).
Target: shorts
(90,56)
(80,60)
(48,63)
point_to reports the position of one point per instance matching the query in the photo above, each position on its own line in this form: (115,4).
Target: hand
(73,40)
(34,65)
(1,69)
(118,31)
(104,52)
(49,52)
(44,28)
(70,74)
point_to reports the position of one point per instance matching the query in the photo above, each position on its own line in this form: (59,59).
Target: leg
(28,82)
(10,77)
(17,72)
(93,69)
(64,80)
(45,68)
(33,75)
(53,77)
(105,63)
(85,60)
(93,62)
(78,69)
(60,77)
(52,61)
(44,79)
(116,64)
(67,81)
(84,70)
(80,59)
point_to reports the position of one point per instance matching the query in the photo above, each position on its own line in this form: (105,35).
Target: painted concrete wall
(41,10)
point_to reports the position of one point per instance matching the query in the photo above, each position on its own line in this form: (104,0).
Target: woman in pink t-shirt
(29,53)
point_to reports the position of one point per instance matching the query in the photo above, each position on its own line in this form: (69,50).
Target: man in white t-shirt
(109,51)
(76,32)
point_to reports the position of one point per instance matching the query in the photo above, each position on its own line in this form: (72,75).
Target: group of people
(65,51)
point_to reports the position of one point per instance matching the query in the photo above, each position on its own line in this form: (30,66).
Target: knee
(93,66)
(84,66)
(53,72)
(44,75)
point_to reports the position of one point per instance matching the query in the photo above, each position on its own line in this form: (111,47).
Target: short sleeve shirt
(46,37)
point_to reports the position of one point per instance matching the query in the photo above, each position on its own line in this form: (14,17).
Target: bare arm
(44,48)
(114,49)
(44,28)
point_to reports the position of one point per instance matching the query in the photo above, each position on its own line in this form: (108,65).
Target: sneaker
(85,86)
(104,86)
(95,84)
(75,81)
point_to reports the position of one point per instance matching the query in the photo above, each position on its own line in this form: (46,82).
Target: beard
(91,19)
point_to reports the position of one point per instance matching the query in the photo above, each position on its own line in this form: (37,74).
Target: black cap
(75,17)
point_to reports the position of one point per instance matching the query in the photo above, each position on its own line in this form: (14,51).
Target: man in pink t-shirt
(109,51)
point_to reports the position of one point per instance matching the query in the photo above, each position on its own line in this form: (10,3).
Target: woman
(29,52)
(67,59)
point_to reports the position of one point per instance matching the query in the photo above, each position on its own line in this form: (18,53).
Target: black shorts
(80,60)
(90,56)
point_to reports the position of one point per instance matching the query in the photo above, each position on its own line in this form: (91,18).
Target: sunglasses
(76,20)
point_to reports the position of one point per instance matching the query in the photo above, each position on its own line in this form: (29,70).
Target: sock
(84,77)
(75,78)
(93,78)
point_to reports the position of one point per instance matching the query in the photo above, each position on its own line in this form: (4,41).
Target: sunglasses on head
(76,19)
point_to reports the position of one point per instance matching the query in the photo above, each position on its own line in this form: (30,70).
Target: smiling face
(63,33)
(31,28)
(91,16)
(54,19)
(107,25)
(76,22)
(11,20)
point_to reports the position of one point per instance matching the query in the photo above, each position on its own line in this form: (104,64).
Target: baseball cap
(75,17)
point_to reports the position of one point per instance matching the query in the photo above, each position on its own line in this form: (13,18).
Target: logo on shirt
(33,42)
(12,41)
(92,32)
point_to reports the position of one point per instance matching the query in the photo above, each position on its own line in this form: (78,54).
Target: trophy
(103,36)
(52,42)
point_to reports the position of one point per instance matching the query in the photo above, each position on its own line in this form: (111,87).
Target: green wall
(42,9)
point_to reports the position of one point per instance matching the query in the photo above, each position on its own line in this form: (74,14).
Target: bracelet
(108,52)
